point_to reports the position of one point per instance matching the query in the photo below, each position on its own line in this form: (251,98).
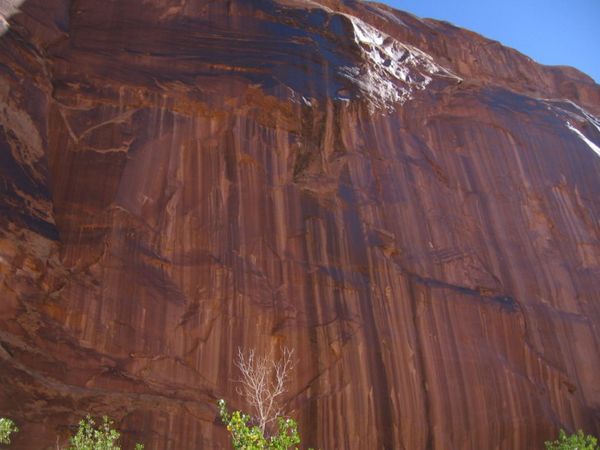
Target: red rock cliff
(413,208)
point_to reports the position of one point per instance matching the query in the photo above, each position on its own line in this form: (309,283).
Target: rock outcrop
(411,207)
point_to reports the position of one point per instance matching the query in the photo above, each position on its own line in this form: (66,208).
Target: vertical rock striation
(411,207)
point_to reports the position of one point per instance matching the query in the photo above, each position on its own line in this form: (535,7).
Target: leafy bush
(247,437)
(577,441)
(7,427)
(104,437)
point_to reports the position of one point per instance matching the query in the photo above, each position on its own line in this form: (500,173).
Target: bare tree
(263,382)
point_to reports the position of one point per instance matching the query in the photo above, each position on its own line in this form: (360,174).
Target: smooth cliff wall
(180,179)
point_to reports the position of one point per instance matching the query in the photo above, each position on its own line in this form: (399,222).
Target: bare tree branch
(263,382)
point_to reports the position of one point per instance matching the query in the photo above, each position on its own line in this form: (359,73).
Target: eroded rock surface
(413,208)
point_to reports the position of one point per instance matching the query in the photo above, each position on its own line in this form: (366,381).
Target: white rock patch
(591,119)
(584,138)
(7,9)
(581,115)
(391,71)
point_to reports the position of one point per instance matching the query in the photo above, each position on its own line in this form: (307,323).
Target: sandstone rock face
(411,207)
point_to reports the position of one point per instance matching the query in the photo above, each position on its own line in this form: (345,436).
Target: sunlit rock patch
(391,71)
(7,9)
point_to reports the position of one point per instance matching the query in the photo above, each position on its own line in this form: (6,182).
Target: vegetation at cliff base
(88,436)
(577,441)
(7,427)
(244,436)
(251,437)
(103,437)
(263,384)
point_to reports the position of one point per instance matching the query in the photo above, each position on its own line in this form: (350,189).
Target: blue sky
(555,32)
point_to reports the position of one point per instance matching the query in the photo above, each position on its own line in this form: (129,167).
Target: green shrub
(247,437)
(7,427)
(577,441)
(104,437)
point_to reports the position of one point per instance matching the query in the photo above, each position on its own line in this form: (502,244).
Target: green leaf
(7,427)
(246,437)
(103,437)
(577,441)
